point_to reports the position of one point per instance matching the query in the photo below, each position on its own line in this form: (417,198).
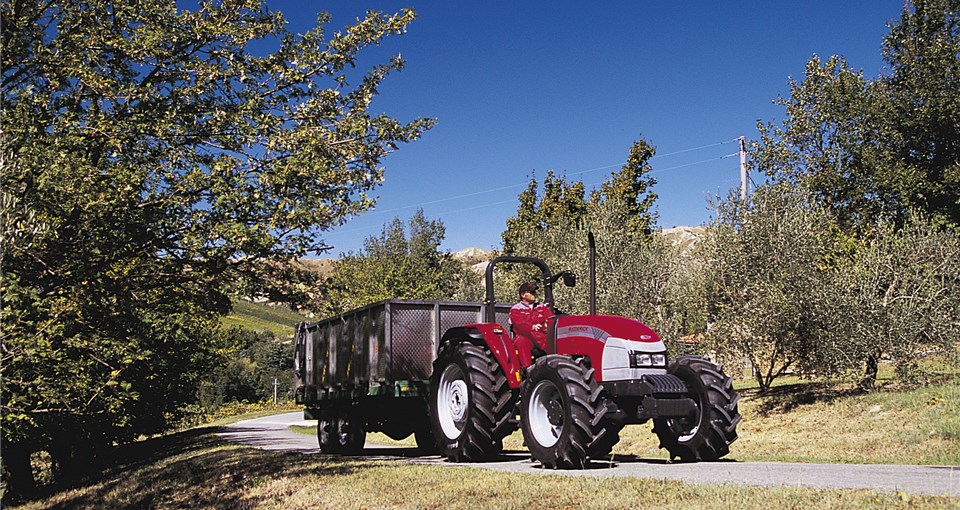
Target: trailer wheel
(426,442)
(325,432)
(560,412)
(470,403)
(707,434)
(347,433)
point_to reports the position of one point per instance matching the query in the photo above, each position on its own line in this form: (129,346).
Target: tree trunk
(870,374)
(17,471)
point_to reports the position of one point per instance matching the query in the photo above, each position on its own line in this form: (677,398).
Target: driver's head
(528,292)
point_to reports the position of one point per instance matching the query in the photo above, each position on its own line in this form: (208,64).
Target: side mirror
(569,279)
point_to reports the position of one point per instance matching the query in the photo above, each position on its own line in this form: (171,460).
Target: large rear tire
(560,413)
(707,434)
(471,405)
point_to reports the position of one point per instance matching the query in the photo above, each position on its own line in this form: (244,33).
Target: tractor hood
(601,327)
(619,349)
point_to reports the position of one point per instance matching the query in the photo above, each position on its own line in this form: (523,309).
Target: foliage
(901,292)
(631,186)
(255,360)
(767,294)
(560,202)
(403,262)
(565,203)
(874,150)
(882,156)
(151,156)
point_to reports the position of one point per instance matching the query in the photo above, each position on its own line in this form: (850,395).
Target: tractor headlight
(647,360)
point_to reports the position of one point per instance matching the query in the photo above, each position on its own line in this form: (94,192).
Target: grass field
(195,469)
(262,317)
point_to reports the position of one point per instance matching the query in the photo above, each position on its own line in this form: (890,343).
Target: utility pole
(743,168)
(275,383)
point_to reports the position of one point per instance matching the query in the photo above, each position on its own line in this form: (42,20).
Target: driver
(529,322)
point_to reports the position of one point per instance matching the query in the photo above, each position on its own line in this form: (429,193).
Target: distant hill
(276,319)
(471,256)
(684,239)
(322,266)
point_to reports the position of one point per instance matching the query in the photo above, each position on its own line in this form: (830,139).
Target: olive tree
(767,293)
(901,291)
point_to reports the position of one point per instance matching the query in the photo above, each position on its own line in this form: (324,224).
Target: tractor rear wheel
(471,404)
(707,434)
(560,412)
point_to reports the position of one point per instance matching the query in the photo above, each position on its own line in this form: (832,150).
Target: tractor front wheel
(560,412)
(705,435)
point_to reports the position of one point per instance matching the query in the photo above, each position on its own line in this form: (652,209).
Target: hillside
(263,317)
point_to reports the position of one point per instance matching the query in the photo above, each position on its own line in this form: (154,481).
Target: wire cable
(512,200)
(582,172)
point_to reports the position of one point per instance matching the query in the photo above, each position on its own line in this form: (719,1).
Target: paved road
(273,433)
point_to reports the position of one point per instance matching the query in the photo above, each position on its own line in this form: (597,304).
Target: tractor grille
(665,383)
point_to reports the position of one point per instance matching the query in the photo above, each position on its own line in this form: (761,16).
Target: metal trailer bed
(383,349)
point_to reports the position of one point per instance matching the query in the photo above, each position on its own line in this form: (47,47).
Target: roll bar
(491,312)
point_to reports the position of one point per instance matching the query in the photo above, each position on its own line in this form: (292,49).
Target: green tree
(768,296)
(901,297)
(631,186)
(922,107)
(560,202)
(402,262)
(875,150)
(151,155)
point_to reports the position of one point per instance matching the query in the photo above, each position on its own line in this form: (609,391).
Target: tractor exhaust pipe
(593,273)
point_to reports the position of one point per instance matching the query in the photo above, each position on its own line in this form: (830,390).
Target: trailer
(369,369)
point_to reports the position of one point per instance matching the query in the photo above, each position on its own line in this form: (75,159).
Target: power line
(512,200)
(582,172)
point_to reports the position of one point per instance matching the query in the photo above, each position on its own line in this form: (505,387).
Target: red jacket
(524,316)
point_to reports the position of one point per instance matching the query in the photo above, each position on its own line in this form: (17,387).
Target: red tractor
(598,374)
(448,374)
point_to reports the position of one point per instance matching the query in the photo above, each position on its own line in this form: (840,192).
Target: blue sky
(521,87)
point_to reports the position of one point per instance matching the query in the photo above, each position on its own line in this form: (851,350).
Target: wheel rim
(324,428)
(545,412)
(686,428)
(453,400)
(343,430)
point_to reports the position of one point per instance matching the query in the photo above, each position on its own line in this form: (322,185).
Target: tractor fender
(494,338)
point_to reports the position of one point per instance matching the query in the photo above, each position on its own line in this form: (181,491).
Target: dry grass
(196,470)
(809,422)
